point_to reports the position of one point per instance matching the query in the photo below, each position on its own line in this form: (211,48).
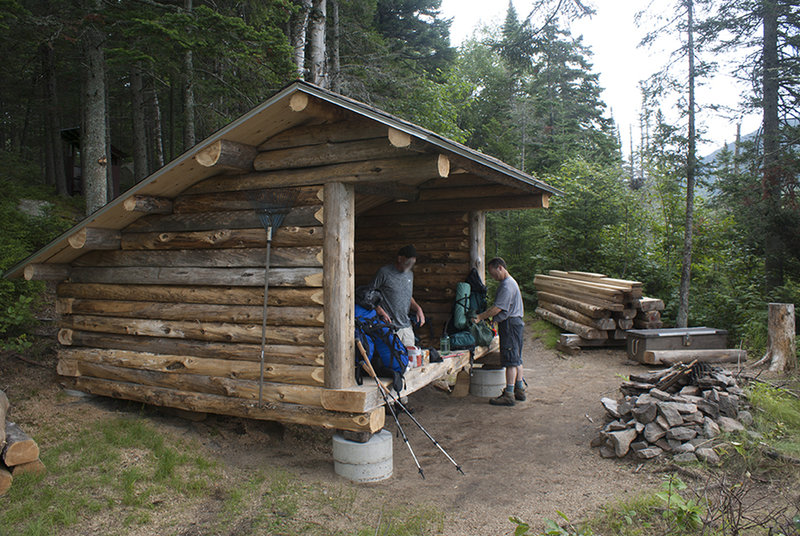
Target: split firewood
(20,448)
(35,467)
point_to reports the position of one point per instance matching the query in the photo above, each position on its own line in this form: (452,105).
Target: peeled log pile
(678,411)
(597,308)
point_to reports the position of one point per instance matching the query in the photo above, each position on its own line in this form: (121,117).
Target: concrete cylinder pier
(487,383)
(363,462)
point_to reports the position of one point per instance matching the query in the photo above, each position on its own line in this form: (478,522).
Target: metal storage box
(702,338)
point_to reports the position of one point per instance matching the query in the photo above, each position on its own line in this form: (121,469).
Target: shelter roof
(253,128)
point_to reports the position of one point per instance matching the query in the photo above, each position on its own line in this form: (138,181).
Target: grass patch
(117,466)
(777,415)
(546,332)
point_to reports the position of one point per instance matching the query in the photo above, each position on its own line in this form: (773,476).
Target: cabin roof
(253,128)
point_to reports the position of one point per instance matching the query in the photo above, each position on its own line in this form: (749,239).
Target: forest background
(151,77)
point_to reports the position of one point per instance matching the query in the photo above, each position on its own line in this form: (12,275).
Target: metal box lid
(675,332)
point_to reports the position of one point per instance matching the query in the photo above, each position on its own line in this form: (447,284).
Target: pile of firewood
(678,411)
(596,309)
(18,452)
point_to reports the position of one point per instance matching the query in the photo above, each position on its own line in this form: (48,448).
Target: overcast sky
(613,39)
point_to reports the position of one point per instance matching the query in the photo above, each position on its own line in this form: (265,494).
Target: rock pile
(678,411)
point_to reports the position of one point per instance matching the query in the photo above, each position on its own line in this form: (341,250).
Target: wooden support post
(227,154)
(338,285)
(95,238)
(47,272)
(148,204)
(477,242)
(781,345)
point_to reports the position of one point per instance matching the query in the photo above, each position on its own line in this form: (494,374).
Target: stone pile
(677,412)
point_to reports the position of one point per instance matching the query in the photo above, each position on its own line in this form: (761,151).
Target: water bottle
(444,345)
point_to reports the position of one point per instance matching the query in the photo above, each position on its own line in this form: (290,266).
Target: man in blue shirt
(507,311)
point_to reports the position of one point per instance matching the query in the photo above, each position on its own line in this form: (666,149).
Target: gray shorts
(511,331)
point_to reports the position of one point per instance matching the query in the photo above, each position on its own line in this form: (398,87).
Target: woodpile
(597,310)
(18,452)
(679,412)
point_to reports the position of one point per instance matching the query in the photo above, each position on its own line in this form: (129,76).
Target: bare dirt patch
(527,461)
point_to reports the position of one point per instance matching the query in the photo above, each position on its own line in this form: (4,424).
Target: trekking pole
(366,365)
(385,393)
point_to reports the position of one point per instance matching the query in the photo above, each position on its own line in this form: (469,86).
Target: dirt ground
(527,461)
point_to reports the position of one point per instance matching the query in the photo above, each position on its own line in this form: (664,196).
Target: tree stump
(781,346)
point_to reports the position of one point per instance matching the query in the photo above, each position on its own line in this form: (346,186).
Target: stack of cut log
(594,308)
(18,452)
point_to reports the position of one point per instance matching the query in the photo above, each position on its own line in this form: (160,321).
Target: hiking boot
(505,399)
(519,394)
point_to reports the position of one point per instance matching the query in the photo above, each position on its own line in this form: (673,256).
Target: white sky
(613,38)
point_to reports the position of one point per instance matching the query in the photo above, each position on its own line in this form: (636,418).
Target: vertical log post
(338,285)
(781,346)
(477,242)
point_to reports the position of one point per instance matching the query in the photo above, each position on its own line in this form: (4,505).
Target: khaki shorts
(406,335)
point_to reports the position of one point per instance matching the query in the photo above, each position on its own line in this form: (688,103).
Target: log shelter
(160,292)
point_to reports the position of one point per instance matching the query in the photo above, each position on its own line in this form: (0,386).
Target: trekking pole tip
(421,473)
(458,468)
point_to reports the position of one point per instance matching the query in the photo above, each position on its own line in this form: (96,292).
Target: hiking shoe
(519,394)
(505,399)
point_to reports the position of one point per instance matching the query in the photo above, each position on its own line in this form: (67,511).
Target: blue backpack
(386,352)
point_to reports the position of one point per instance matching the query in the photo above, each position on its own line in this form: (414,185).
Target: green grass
(777,415)
(546,332)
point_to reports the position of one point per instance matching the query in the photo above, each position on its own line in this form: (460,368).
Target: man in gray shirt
(396,283)
(507,312)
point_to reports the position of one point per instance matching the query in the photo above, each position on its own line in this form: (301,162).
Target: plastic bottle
(444,344)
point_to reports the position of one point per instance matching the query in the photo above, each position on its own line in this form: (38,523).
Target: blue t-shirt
(509,299)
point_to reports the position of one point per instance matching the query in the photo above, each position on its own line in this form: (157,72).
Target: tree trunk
(316,44)
(140,169)
(94,160)
(299,28)
(781,346)
(771,189)
(57,170)
(157,141)
(334,69)
(188,93)
(686,264)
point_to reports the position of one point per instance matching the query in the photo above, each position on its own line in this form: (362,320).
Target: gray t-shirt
(509,299)
(397,288)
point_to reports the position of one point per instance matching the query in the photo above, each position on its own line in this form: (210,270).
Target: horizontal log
(95,238)
(603,324)
(487,191)
(237,277)
(586,332)
(35,467)
(5,481)
(306,216)
(46,272)
(624,323)
(671,357)
(412,234)
(280,257)
(580,296)
(204,366)
(628,313)
(200,312)
(648,316)
(314,134)
(238,199)
(462,205)
(372,421)
(273,353)
(624,284)
(147,204)
(588,309)
(416,167)
(586,287)
(639,324)
(20,447)
(227,154)
(200,331)
(648,304)
(429,220)
(305,395)
(224,238)
(326,154)
(277,297)
(389,247)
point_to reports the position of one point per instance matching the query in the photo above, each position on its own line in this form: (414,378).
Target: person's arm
(383,314)
(491,311)
(418,311)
